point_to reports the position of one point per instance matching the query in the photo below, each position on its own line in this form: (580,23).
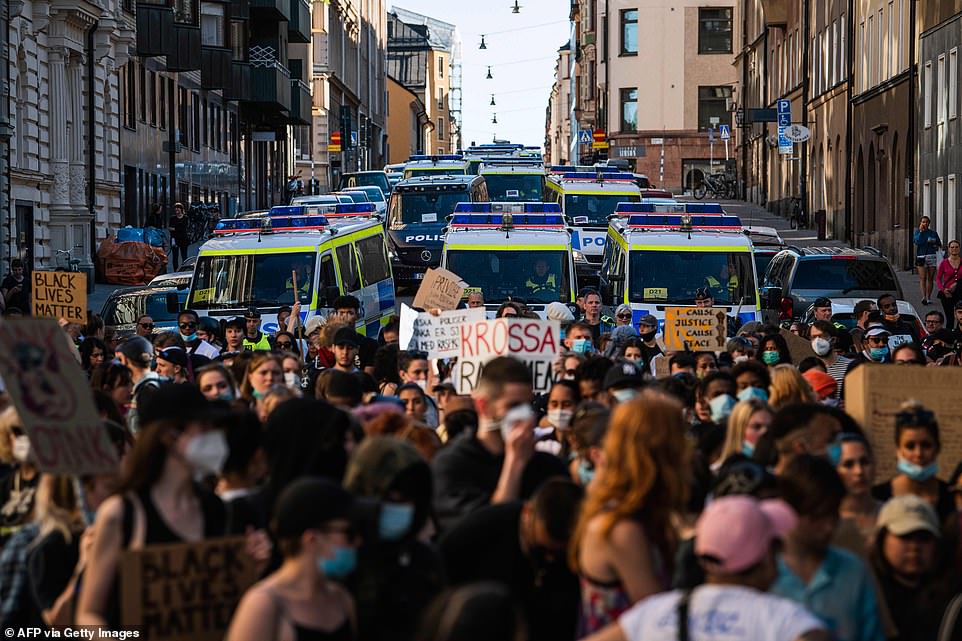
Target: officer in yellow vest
(726,284)
(542,280)
(303,271)
(254,339)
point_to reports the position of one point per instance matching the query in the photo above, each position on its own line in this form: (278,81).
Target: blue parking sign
(784,113)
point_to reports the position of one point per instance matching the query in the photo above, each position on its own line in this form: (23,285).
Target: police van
(512,251)
(477,154)
(416,214)
(449,164)
(658,256)
(309,253)
(513,180)
(587,199)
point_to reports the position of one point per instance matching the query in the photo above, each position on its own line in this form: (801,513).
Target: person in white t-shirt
(734,540)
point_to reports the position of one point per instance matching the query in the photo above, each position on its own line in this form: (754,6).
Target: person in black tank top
(158,500)
(300,602)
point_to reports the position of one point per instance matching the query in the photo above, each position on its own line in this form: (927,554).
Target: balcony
(301,103)
(276,10)
(270,80)
(184,52)
(299,26)
(776,12)
(215,67)
(240,81)
(155,28)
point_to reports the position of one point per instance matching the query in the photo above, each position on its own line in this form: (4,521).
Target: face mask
(519,414)
(624,395)
(226,396)
(292,380)
(748,449)
(561,419)
(258,396)
(917,472)
(721,406)
(586,472)
(423,384)
(581,346)
(637,362)
(21,448)
(206,453)
(740,358)
(343,563)
(395,520)
(770,357)
(749,393)
(189,338)
(648,336)
(878,353)
(892,317)
(821,346)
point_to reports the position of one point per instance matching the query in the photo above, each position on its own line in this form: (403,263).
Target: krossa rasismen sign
(535,342)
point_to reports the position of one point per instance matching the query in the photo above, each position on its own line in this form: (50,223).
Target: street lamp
(494,120)
(482,46)
(492,100)
(489,74)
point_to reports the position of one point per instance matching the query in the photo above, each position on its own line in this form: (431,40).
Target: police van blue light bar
(563,169)
(671,221)
(237,225)
(509,208)
(418,157)
(330,209)
(271,224)
(603,175)
(669,208)
(506,220)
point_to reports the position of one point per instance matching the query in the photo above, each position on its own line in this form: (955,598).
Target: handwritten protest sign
(60,295)
(873,394)
(440,289)
(534,342)
(53,398)
(440,336)
(184,591)
(700,329)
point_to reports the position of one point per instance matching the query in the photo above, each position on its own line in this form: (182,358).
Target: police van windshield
(672,277)
(529,275)
(596,207)
(261,280)
(514,187)
(430,206)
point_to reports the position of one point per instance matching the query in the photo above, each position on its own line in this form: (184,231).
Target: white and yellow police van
(587,199)
(513,180)
(659,256)
(442,165)
(320,252)
(512,251)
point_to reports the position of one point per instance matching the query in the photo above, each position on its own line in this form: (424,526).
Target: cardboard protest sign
(798,347)
(60,295)
(53,399)
(873,394)
(440,336)
(440,289)
(534,342)
(700,329)
(184,591)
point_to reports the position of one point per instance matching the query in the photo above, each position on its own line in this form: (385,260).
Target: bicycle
(201,220)
(720,186)
(72,264)
(798,218)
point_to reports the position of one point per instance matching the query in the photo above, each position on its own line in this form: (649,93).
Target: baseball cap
(648,320)
(735,532)
(822,301)
(252,313)
(622,375)
(308,503)
(877,331)
(313,324)
(345,336)
(823,384)
(237,322)
(906,514)
(175,355)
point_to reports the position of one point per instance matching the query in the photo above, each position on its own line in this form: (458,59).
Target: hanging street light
(492,100)
(494,120)
(489,74)
(482,46)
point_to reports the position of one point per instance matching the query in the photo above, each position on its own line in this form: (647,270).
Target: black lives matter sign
(60,295)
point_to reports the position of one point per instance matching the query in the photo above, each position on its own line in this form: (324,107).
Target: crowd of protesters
(647,495)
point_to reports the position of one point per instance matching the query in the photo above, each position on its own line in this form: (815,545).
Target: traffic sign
(784,144)
(798,133)
(585,136)
(354,139)
(725,132)
(784,113)
(334,146)
(599,135)
(711,136)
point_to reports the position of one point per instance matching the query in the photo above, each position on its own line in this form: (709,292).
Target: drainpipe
(849,55)
(743,137)
(806,81)
(92,155)
(910,141)
(8,133)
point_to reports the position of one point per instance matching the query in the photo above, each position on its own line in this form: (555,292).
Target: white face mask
(821,346)
(561,419)
(423,384)
(741,358)
(206,453)
(21,448)
(292,380)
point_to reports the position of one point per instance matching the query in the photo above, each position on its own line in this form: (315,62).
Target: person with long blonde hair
(625,539)
(746,424)
(788,386)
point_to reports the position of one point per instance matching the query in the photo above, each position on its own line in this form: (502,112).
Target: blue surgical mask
(395,520)
(721,406)
(624,395)
(586,472)
(343,563)
(771,357)
(917,472)
(637,362)
(581,346)
(226,396)
(189,338)
(878,353)
(748,449)
(257,395)
(750,393)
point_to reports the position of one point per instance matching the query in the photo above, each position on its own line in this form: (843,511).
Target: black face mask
(648,336)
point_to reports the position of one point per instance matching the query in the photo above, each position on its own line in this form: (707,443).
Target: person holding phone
(927,244)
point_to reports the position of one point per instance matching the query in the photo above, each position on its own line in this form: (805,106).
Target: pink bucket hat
(735,532)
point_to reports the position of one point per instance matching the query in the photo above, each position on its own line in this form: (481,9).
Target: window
(953,83)
(950,219)
(629,32)
(440,128)
(142,79)
(195,121)
(939,198)
(712,102)
(185,11)
(213,25)
(374,264)
(881,46)
(927,106)
(869,52)
(152,97)
(238,39)
(162,102)
(629,109)
(440,66)
(183,116)
(714,30)
(350,276)
(440,97)
(940,90)
(890,51)
(128,88)
(926,204)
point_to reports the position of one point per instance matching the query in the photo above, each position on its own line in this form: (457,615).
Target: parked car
(364,178)
(321,199)
(177,280)
(796,277)
(375,195)
(125,305)
(766,242)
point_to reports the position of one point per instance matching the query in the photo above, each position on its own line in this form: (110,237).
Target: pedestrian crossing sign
(725,132)
(585,136)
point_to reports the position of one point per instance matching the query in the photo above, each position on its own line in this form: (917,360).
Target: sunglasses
(188,325)
(624,316)
(915,418)
(283,344)
(146,325)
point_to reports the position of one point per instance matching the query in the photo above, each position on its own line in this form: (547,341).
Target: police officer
(254,339)
(542,280)
(724,284)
